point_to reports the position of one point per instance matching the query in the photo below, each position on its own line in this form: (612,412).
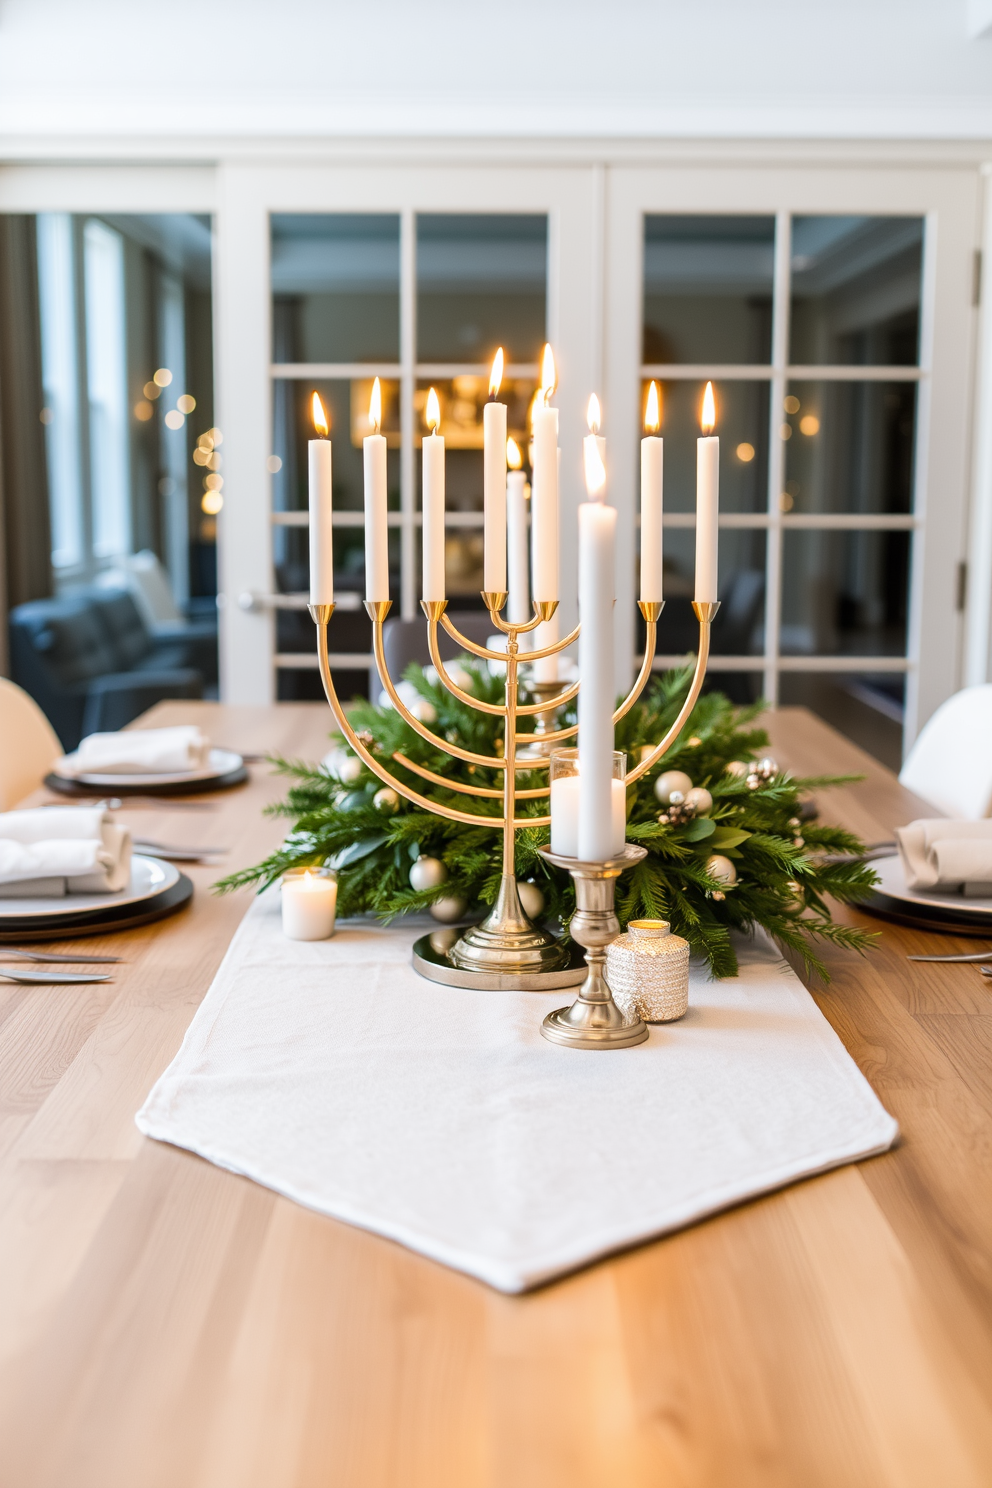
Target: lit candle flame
(707,419)
(375,406)
(432,413)
(652,413)
(595,470)
(319,416)
(514,458)
(549,374)
(307,880)
(593,415)
(496,375)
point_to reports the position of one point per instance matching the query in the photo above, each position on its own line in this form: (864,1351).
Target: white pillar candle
(376,522)
(518,610)
(433,510)
(309,903)
(565,793)
(597,543)
(707,503)
(544,498)
(321,511)
(494,484)
(652,481)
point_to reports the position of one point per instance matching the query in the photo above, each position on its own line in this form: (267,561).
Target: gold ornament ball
(385,799)
(427,873)
(699,799)
(349,769)
(531,899)
(449,909)
(722,869)
(671,780)
(737,768)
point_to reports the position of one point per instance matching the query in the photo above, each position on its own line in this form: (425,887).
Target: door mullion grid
(776,452)
(408,362)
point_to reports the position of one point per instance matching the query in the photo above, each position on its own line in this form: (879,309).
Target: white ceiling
(890,69)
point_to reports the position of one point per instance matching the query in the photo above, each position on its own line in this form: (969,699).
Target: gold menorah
(506,951)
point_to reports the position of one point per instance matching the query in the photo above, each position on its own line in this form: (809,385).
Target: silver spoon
(977,956)
(54,978)
(52,956)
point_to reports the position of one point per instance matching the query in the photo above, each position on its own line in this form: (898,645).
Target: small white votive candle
(309,904)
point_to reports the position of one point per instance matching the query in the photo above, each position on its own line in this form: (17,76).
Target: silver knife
(53,956)
(978,956)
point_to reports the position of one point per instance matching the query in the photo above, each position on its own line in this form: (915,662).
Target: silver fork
(53,978)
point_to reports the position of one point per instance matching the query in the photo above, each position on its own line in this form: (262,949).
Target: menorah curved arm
(497,710)
(704,614)
(444,746)
(553,650)
(543,610)
(471,790)
(435,610)
(650,611)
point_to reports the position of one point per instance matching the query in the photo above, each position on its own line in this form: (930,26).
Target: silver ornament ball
(699,799)
(385,799)
(427,873)
(669,781)
(531,899)
(449,909)
(722,869)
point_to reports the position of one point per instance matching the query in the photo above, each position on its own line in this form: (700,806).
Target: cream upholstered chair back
(28,745)
(950,764)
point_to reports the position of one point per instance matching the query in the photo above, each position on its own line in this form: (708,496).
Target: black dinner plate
(174,788)
(70,923)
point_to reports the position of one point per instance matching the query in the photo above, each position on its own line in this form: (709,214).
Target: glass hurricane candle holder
(565,802)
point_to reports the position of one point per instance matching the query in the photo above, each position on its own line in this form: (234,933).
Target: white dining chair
(28,745)
(950,765)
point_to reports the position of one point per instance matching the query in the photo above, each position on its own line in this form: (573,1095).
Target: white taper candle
(707,503)
(518,610)
(652,504)
(433,505)
(544,504)
(321,512)
(376,521)
(494,484)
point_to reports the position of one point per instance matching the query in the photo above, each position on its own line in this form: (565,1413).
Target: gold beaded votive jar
(648,971)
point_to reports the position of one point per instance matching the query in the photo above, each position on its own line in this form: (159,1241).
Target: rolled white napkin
(943,854)
(51,851)
(167,751)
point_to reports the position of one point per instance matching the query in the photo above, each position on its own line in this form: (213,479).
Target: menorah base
(432,959)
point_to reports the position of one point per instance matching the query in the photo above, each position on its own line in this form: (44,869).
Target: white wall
(910,69)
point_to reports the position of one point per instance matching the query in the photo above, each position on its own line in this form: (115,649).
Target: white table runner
(333,1074)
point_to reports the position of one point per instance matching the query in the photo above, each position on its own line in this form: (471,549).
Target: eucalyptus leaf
(698,830)
(356,851)
(726,837)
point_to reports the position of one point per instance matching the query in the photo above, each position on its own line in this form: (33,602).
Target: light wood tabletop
(164,1324)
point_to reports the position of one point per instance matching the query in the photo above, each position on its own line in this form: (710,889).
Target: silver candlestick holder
(594,1021)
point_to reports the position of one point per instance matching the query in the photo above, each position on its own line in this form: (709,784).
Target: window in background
(817,469)
(127,361)
(106,381)
(856,290)
(481,283)
(60,373)
(708,289)
(339,299)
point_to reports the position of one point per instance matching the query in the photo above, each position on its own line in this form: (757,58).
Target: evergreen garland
(786,866)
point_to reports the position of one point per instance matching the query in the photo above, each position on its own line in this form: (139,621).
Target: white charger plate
(893,883)
(221,762)
(149,877)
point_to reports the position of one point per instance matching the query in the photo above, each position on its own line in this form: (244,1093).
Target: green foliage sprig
(786,865)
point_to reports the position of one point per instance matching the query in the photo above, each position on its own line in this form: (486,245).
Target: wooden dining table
(167,1324)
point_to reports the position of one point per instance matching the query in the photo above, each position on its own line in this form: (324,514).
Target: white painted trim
(978,615)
